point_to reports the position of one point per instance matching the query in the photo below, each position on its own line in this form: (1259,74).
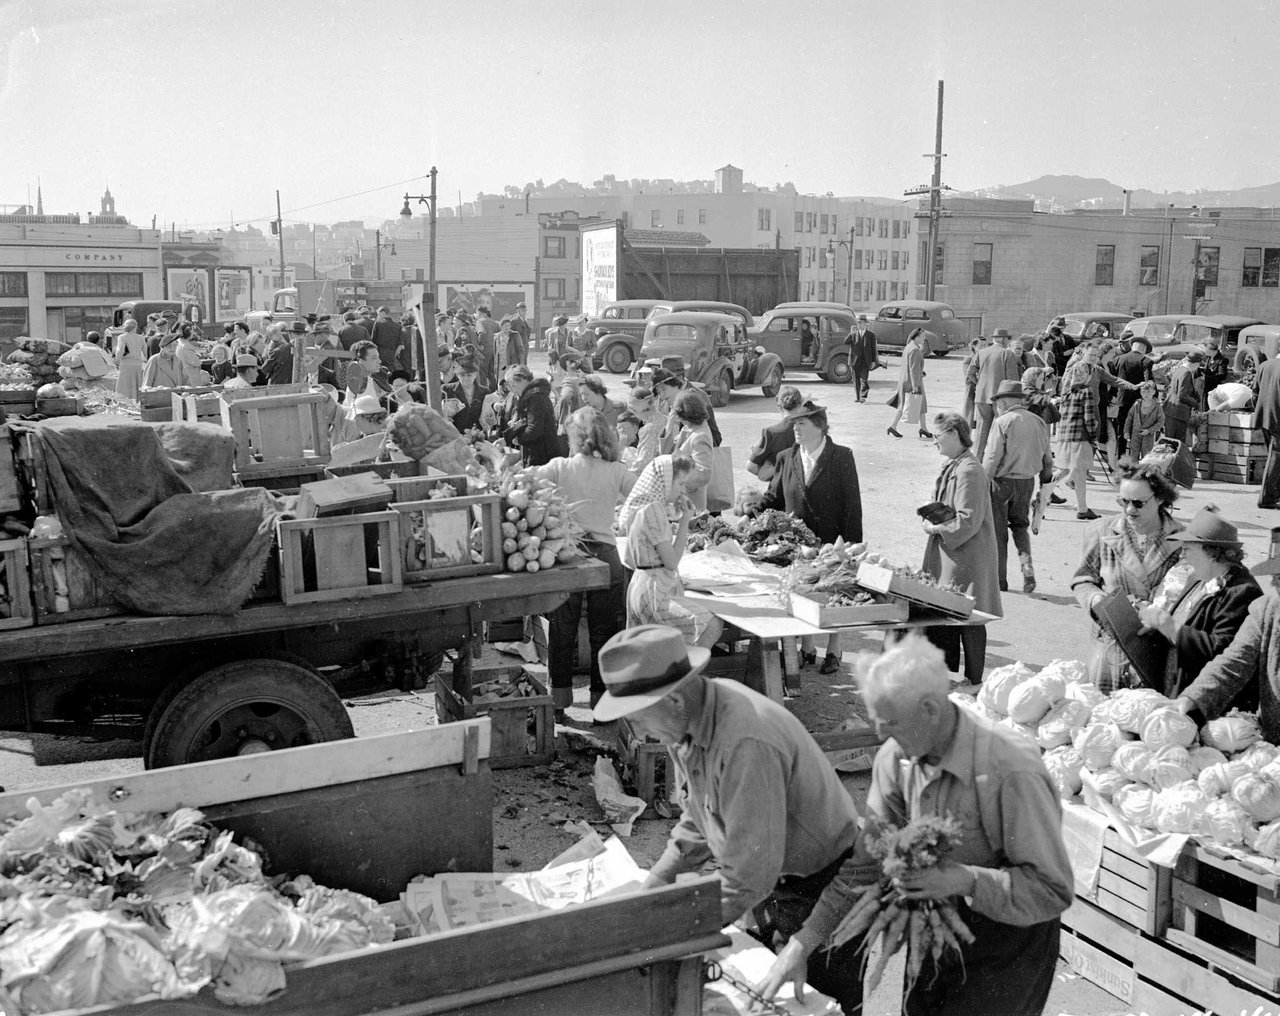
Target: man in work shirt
(1018,451)
(1009,877)
(758,796)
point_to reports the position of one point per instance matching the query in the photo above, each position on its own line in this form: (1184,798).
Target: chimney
(1128,196)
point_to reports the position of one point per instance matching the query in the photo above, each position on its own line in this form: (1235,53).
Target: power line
(303,208)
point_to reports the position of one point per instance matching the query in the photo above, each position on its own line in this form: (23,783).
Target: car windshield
(658,309)
(945,313)
(687,333)
(1158,331)
(1193,332)
(612,313)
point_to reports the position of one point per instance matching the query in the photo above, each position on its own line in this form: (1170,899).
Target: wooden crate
(1221,432)
(286,480)
(1131,889)
(419,488)
(86,597)
(511,630)
(276,431)
(10,490)
(70,405)
(511,743)
(1173,982)
(1229,915)
(1100,948)
(157,403)
(441,547)
(880,579)
(1236,448)
(342,495)
(340,558)
(17,402)
(815,609)
(387,470)
(649,767)
(1232,418)
(205,408)
(16,610)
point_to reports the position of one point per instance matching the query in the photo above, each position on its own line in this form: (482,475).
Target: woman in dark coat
(817,481)
(533,421)
(468,395)
(1209,611)
(962,551)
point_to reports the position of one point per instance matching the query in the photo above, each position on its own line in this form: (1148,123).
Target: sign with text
(599,269)
(232,290)
(190,284)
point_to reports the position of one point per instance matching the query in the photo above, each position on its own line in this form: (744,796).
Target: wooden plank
(1094,964)
(1194,854)
(1095,924)
(1247,920)
(1121,908)
(1268,980)
(1130,892)
(1152,1000)
(1185,977)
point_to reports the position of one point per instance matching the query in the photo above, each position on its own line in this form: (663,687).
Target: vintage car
(899,318)
(626,334)
(1157,329)
(619,330)
(717,352)
(778,331)
(1091,324)
(1255,345)
(1222,330)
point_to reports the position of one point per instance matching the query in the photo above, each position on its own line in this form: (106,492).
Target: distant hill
(1093,192)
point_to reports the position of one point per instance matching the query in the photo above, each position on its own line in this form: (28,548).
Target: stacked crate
(1229,449)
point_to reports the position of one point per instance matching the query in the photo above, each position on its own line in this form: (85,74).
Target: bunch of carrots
(928,927)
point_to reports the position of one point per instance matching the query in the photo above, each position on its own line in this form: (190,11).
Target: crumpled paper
(620,808)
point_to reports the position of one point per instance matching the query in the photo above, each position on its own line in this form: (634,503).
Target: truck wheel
(242,708)
(772,383)
(838,370)
(718,390)
(1249,358)
(617,358)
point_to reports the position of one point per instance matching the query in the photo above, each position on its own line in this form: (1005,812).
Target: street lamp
(848,282)
(429,358)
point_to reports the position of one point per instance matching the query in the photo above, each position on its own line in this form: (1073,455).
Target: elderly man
(864,356)
(995,364)
(1018,451)
(758,796)
(1183,396)
(520,325)
(1009,877)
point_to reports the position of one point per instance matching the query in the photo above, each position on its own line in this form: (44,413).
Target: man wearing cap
(864,356)
(995,364)
(1018,451)
(757,794)
(1134,367)
(246,372)
(520,325)
(163,370)
(1183,395)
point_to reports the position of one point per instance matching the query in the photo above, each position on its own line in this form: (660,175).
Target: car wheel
(1249,358)
(718,390)
(838,370)
(940,353)
(772,383)
(617,358)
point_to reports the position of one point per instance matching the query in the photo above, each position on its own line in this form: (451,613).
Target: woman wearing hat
(164,370)
(532,426)
(1206,616)
(910,382)
(816,481)
(1132,551)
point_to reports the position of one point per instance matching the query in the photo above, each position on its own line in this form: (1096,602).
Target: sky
(196,112)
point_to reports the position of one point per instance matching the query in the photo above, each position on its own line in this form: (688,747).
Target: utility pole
(313,250)
(934,190)
(429,358)
(280,237)
(377,246)
(848,282)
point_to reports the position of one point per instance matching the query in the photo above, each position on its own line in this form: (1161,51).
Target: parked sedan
(896,320)
(1157,329)
(1092,324)
(1222,330)
(619,331)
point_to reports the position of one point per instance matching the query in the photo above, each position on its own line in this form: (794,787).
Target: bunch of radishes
(538,528)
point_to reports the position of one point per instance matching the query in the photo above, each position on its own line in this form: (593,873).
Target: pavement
(896,476)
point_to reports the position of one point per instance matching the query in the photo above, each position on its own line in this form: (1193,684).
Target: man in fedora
(246,372)
(1182,398)
(758,795)
(1018,451)
(995,363)
(864,355)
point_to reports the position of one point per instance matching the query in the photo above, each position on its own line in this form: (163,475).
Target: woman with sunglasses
(1132,551)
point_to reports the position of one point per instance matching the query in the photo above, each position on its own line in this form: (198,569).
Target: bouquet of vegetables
(928,927)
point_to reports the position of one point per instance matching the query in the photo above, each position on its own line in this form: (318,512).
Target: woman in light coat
(911,382)
(695,440)
(131,353)
(962,551)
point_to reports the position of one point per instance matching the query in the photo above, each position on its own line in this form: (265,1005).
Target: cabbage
(1168,726)
(1134,802)
(1258,755)
(1070,671)
(1130,707)
(1233,732)
(1022,729)
(999,684)
(1257,795)
(1103,782)
(1101,713)
(1179,808)
(1084,691)
(1029,702)
(1134,761)
(1225,822)
(1271,770)
(1098,742)
(1217,779)
(1204,756)
(1064,765)
(1061,722)
(1170,766)
(1267,840)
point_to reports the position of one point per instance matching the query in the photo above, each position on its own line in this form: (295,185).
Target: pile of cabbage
(101,907)
(1134,750)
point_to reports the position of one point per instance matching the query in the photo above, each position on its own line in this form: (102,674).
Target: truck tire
(245,707)
(1249,358)
(838,370)
(769,387)
(718,390)
(617,358)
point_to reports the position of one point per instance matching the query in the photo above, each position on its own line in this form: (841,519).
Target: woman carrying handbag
(910,384)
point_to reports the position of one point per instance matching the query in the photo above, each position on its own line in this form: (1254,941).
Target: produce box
(10,491)
(196,408)
(815,608)
(520,709)
(342,495)
(70,405)
(880,579)
(285,480)
(1131,889)
(648,767)
(438,537)
(1228,914)
(276,431)
(387,470)
(16,609)
(55,562)
(419,488)
(157,403)
(17,401)
(1229,418)
(340,558)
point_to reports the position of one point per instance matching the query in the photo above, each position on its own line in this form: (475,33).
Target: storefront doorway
(69,324)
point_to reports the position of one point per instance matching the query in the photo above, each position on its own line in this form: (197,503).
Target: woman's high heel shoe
(808,659)
(890,430)
(925,433)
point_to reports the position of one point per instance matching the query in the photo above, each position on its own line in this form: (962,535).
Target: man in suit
(1134,367)
(864,356)
(520,325)
(995,364)
(1266,420)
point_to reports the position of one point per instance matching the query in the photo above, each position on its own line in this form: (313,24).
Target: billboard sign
(190,284)
(599,269)
(232,293)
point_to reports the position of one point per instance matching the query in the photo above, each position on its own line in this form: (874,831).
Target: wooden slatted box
(16,608)
(438,537)
(340,558)
(86,596)
(1132,889)
(420,488)
(523,726)
(648,766)
(206,408)
(273,432)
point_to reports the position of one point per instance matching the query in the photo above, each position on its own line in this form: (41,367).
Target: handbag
(893,400)
(913,407)
(720,488)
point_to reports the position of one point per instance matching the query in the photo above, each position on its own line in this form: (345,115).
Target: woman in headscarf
(656,595)
(164,370)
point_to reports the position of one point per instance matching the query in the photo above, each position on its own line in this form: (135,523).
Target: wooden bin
(86,596)
(17,402)
(1131,889)
(880,579)
(339,558)
(650,769)
(278,431)
(510,718)
(16,610)
(157,403)
(815,608)
(69,405)
(393,470)
(436,537)
(419,488)
(189,408)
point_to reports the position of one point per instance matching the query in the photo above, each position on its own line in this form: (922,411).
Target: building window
(553,289)
(905,255)
(679,216)
(799,222)
(13,283)
(906,231)
(857,224)
(1252,267)
(982,264)
(939,253)
(824,220)
(871,225)
(13,320)
(764,219)
(126,283)
(897,228)
(893,260)
(1149,267)
(655,218)
(884,229)
(1207,275)
(882,260)
(1104,268)
(822,289)
(553,246)
(811,221)
(93,283)
(857,292)
(857,258)
(879,290)
(702,216)
(60,283)
(833,225)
